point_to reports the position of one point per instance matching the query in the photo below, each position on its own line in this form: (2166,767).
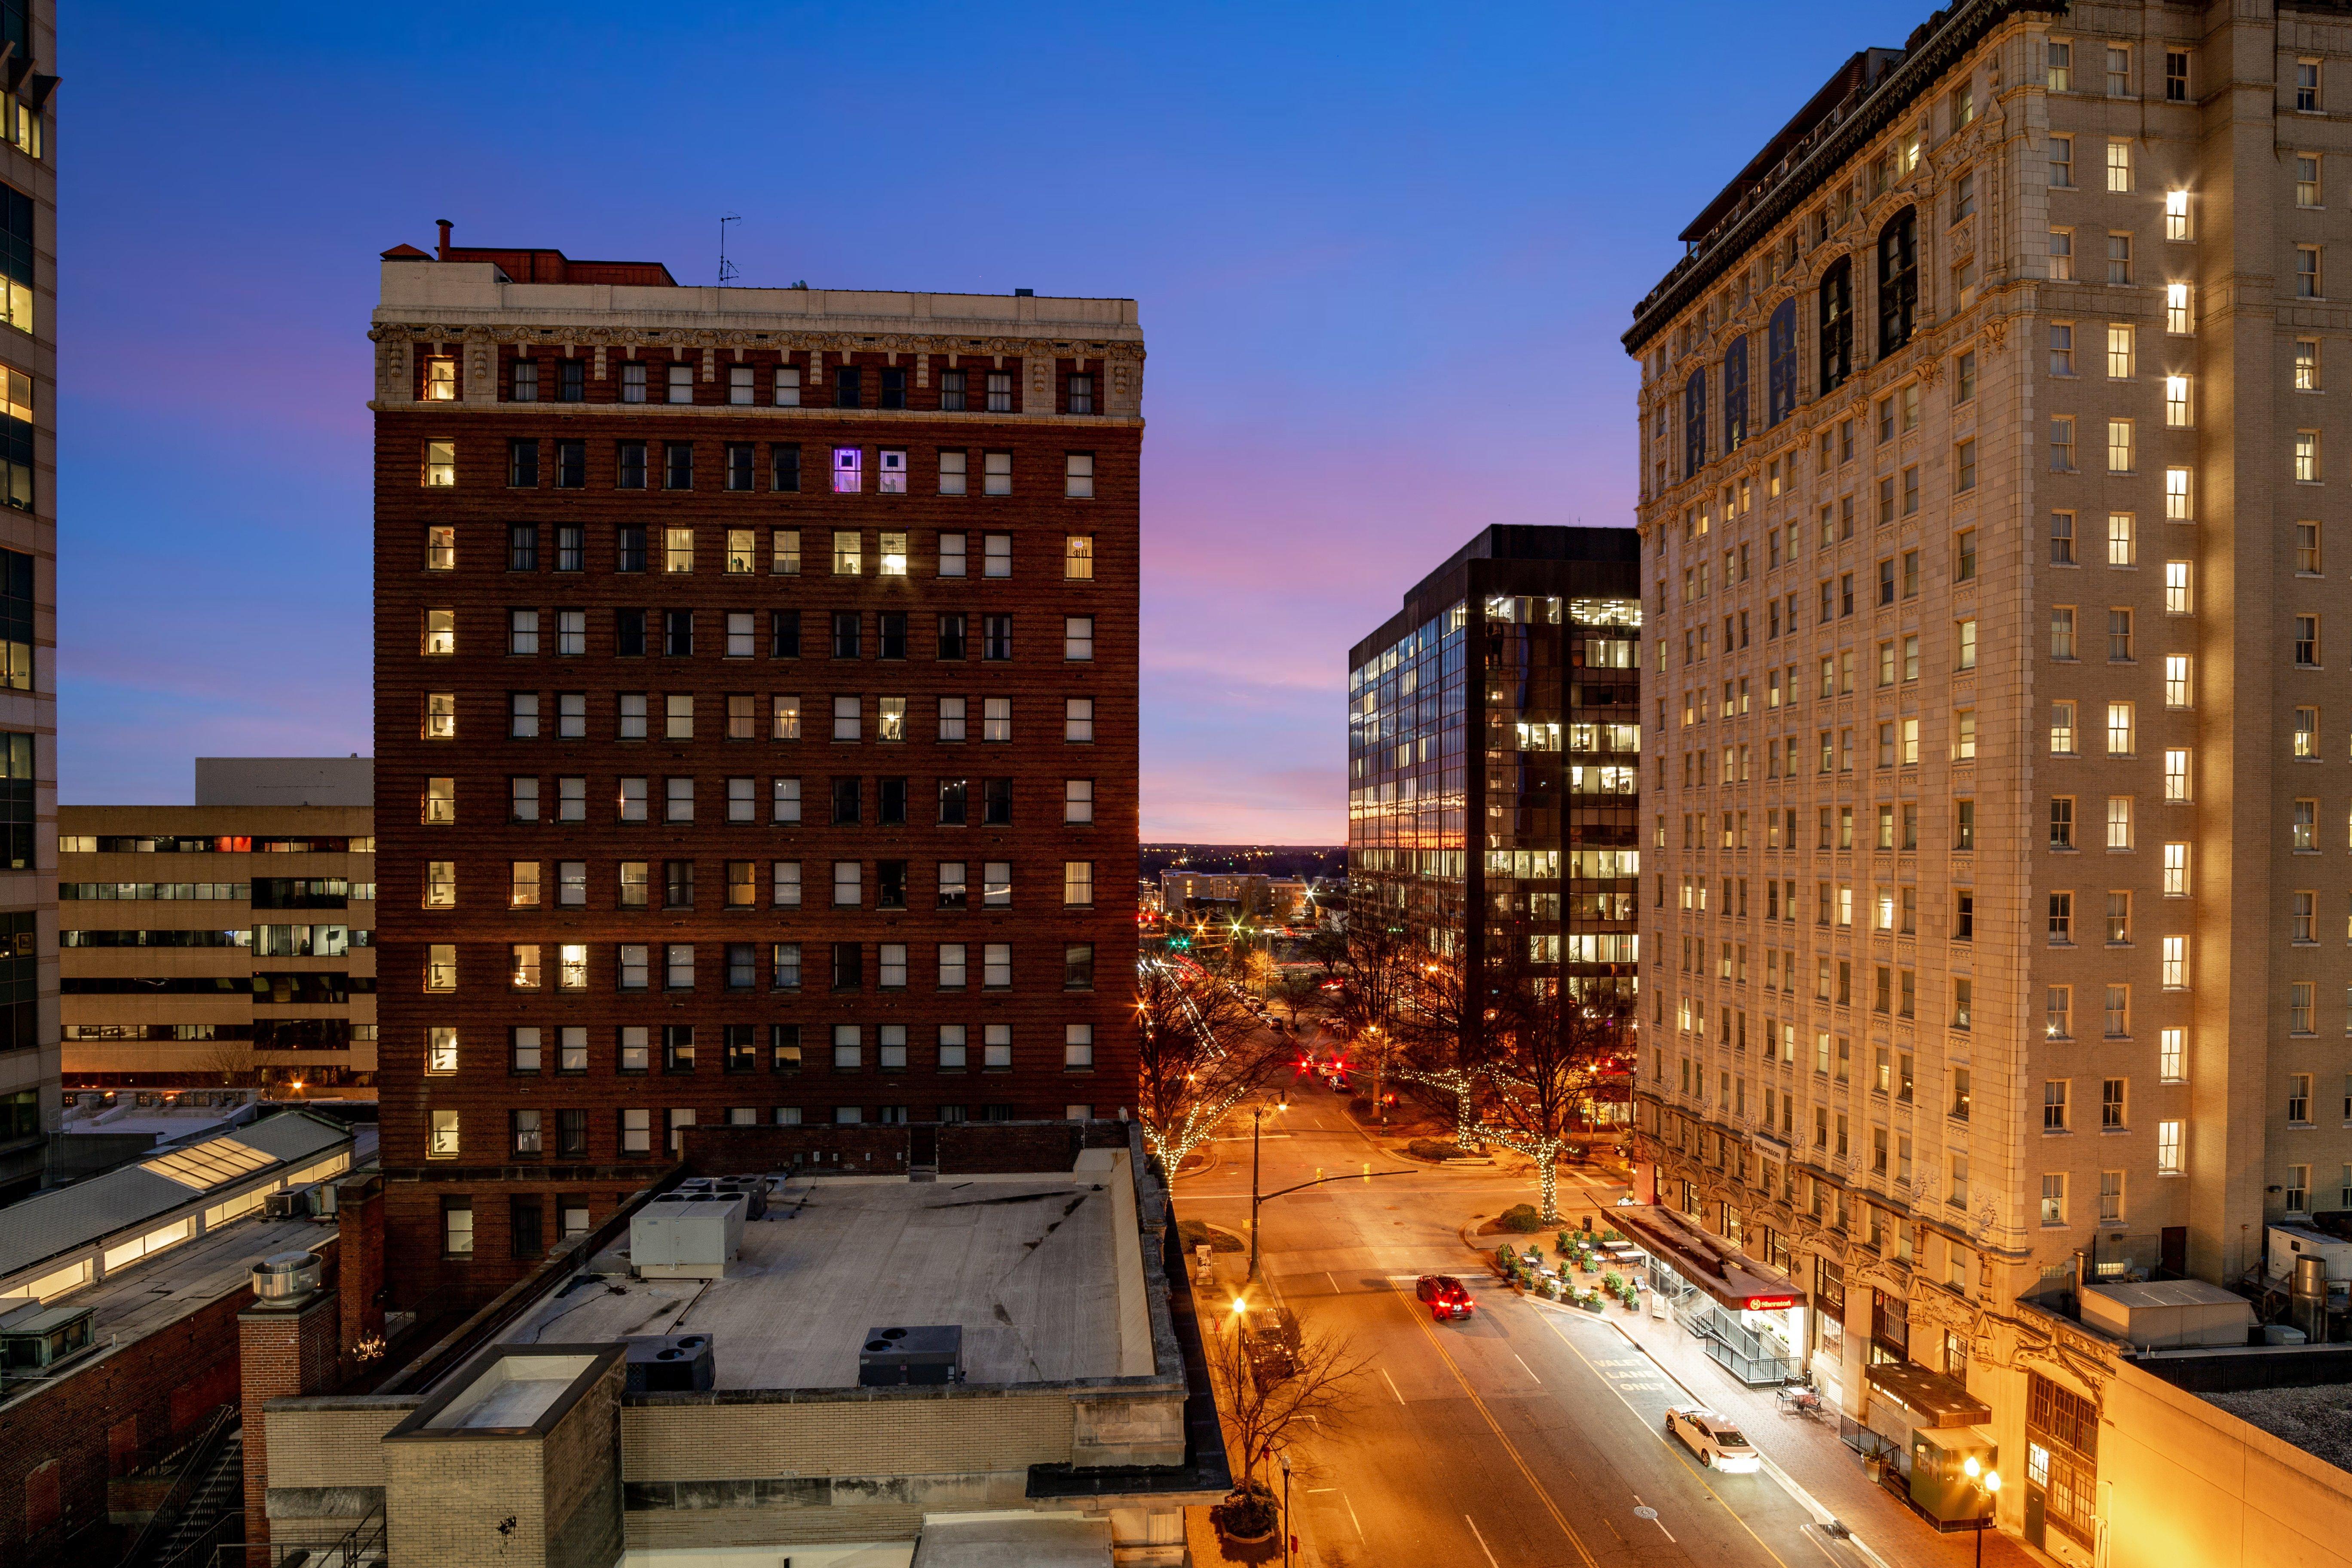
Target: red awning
(1714,1265)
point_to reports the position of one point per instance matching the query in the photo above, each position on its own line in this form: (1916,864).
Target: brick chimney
(359,1262)
(288,1345)
(445,237)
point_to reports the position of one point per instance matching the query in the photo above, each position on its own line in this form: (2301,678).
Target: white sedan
(1716,1441)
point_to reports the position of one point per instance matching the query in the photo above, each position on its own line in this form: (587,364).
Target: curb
(1788,1482)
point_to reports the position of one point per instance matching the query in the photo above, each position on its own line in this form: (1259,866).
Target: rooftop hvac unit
(35,1337)
(694,1239)
(2288,1243)
(891,1357)
(285,1276)
(282,1206)
(670,1363)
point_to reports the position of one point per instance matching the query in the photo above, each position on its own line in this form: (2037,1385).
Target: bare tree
(1443,1035)
(1296,989)
(1265,1411)
(1548,1048)
(1376,979)
(1198,1055)
(232,1060)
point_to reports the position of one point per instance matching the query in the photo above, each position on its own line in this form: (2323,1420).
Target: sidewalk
(1808,1452)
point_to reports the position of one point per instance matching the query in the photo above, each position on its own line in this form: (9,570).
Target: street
(1526,1434)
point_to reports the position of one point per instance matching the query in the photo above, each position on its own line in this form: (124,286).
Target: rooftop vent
(284,1277)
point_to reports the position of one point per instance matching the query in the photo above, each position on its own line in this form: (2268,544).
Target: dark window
(629,554)
(845,800)
(951,390)
(742,1056)
(571,547)
(996,636)
(848,966)
(1898,280)
(572,1134)
(570,465)
(1079,966)
(742,974)
(1082,395)
(846,391)
(845,634)
(677,634)
(890,878)
(738,465)
(952,635)
(677,884)
(894,634)
(894,389)
(629,633)
(1781,363)
(525,381)
(523,547)
(783,1048)
(783,633)
(527,1222)
(522,465)
(1735,394)
(677,465)
(457,1235)
(788,469)
(996,801)
(893,803)
(17,802)
(631,475)
(1695,422)
(1836,324)
(570,382)
(298,893)
(16,214)
(677,1047)
(2176,77)
(951,802)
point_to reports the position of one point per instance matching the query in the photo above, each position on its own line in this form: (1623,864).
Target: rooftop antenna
(726,272)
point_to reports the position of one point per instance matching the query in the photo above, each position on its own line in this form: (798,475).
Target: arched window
(1837,323)
(1781,363)
(1735,394)
(1898,279)
(1694,423)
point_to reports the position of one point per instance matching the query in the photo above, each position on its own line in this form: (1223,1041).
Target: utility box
(671,1363)
(894,1356)
(692,1240)
(2169,1314)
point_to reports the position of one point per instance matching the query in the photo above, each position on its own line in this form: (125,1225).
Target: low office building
(119,1339)
(909,1368)
(229,942)
(1193,896)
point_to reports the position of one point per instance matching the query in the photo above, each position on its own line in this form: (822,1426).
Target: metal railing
(362,1546)
(201,1454)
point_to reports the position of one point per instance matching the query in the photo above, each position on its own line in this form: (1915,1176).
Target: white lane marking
(1391,1383)
(1532,1372)
(1353,1520)
(1644,1510)
(1335,1284)
(1482,1541)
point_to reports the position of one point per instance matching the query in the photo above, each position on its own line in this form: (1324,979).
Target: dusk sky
(1382,253)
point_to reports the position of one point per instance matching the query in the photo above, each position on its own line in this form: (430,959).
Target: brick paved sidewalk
(1810,1453)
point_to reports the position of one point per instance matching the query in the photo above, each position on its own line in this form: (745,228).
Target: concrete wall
(2183,1481)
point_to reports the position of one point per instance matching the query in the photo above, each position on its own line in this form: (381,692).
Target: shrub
(1522,1217)
(1610,1235)
(1193,1233)
(1361,1107)
(1564,1244)
(1505,1257)
(1613,1282)
(1432,1149)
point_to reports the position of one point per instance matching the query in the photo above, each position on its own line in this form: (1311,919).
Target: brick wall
(482,842)
(127,1409)
(282,1353)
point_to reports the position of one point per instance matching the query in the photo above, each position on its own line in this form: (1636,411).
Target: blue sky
(1383,255)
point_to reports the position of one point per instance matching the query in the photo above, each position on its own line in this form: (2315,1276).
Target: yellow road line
(1496,1428)
(1701,1478)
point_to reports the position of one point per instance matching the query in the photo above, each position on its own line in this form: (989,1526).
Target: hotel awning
(1723,1271)
(1930,1397)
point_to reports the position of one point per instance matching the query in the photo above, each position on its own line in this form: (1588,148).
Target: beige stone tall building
(1992,462)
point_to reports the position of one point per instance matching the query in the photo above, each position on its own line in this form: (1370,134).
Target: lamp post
(1379,1101)
(1258,1116)
(1285,1457)
(1988,1483)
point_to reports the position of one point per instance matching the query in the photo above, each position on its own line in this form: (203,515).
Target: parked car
(1270,1338)
(1338,1083)
(1446,1297)
(1716,1441)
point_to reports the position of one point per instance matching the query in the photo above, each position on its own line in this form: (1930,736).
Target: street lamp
(1987,1482)
(1287,1538)
(1257,1116)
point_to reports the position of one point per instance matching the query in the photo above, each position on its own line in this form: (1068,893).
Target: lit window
(2176,773)
(2119,166)
(2176,215)
(2119,353)
(2120,551)
(2119,446)
(2176,680)
(2176,597)
(2307,457)
(440,464)
(2307,272)
(2179,507)
(2176,870)
(2119,729)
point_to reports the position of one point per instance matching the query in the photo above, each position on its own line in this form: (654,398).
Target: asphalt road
(1524,1435)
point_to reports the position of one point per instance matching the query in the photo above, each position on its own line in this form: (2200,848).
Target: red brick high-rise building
(755,725)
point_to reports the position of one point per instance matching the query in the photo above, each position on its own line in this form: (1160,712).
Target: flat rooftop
(2316,1419)
(1026,1264)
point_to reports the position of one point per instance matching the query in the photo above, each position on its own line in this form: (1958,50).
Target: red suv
(1447,1296)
